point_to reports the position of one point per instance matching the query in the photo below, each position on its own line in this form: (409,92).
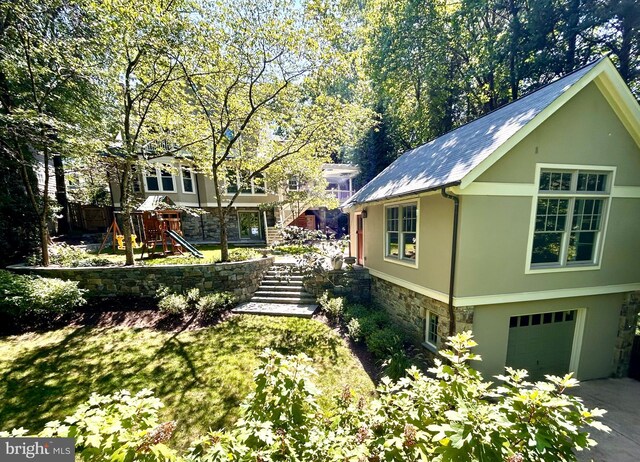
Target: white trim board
(529,189)
(508,298)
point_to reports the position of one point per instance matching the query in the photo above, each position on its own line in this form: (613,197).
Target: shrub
(212,304)
(332,307)
(373,322)
(193,295)
(293,249)
(353,330)
(383,342)
(357,311)
(67,255)
(242,254)
(174,304)
(115,427)
(396,364)
(24,296)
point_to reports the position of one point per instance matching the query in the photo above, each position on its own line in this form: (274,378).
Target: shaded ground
(621,399)
(201,375)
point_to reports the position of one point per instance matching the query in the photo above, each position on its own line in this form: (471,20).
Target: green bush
(383,342)
(25,296)
(74,257)
(332,307)
(352,311)
(396,364)
(212,304)
(293,249)
(353,330)
(373,322)
(174,304)
(242,254)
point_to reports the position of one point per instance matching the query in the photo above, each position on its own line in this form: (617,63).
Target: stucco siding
(435,215)
(597,348)
(585,131)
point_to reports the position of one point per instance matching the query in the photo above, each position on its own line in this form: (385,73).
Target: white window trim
(159,177)
(253,187)
(427,319)
(193,180)
(611,170)
(401,261)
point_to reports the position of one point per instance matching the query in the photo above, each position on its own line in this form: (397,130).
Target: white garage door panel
(541,343)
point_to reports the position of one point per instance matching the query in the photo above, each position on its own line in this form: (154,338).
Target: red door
(360,238)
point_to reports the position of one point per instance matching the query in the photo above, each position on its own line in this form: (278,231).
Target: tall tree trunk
(61,194)
(514,81)
(126,209)
(573,17)
(44,239)
(224,235)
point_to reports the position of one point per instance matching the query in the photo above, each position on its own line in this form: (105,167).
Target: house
(522,226)
(257,210)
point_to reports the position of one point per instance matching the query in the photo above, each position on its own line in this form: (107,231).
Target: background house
(544,264)
(258,209)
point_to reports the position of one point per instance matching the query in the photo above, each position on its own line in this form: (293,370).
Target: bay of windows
(401,232)
(159,179)
(569,217)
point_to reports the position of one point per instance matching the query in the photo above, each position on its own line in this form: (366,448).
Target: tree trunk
(44,239)
(61,194)
(573,17)
(125,206)
(224,237)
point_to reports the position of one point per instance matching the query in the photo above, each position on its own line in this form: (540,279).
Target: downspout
(195,175)
(454,248)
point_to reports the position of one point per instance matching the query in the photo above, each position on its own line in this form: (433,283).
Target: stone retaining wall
(207,227)
(240,278)
(353,284)
(409,309)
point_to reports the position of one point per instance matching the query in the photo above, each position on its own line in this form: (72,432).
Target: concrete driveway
(621,399)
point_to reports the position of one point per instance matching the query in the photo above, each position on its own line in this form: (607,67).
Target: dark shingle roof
(447,159)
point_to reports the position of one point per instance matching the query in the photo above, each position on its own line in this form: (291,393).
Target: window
(187,181)
(401,232)
(158,179)
(569,219)
(542,318)
(293,184)
(256,185)
(431,330)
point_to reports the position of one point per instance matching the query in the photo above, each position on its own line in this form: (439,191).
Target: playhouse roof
(152,203)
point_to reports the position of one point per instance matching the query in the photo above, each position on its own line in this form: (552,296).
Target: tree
(262,75)
(44,92)
(144,42)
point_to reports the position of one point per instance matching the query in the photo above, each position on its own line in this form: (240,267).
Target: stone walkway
(276,309)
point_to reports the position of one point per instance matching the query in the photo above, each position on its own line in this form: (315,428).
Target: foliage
(293,249)
(243,254)
(115,427)
(74,257)
(212,304)
(201,375)
(396,364)
(383,343)
(295,235)
(24,296)
(174,304)
(332,307)
(353,330)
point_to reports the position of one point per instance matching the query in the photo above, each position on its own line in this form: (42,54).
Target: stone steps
(281,293)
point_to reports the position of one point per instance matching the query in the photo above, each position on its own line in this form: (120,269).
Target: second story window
(158,179)
(255,185)
(293,184)
(570,218)
(187,181)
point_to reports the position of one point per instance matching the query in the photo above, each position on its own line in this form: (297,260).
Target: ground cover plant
(211,252)
(201,375)
(454,415)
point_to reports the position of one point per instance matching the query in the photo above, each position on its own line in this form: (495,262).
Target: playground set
(158,226)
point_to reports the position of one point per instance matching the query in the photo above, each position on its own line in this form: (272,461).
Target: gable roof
(459,156)
(152,203)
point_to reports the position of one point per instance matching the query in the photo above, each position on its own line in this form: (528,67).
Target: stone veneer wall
(192,226)
(626,333)
(240,278)
(354,284)
(408,309)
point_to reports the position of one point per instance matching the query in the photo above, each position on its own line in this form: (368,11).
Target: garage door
(541,343)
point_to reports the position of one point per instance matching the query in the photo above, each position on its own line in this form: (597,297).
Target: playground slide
(181,240)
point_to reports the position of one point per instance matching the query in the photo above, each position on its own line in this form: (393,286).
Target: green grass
(211,253)
(201,375)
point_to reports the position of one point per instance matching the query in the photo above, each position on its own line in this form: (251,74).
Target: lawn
(201,375)
(211,253)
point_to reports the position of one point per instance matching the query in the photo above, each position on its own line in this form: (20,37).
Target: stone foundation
(353,284)
(193,226)
(626,333)
(240,278)
(409,309)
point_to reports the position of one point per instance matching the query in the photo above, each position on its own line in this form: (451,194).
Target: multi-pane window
(293,184)
(158,179)
(187,180)
(401,232)
(431,330)
(569,217)
(255,185)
